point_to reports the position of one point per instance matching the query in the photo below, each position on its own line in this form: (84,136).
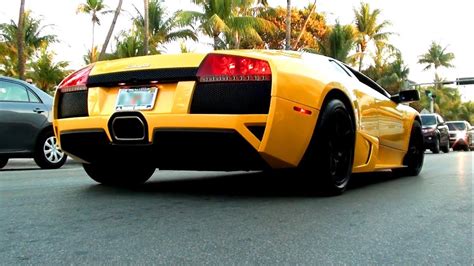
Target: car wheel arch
(48,128)
(337,93)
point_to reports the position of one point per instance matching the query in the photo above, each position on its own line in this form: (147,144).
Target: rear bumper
(196,141)
(178,149)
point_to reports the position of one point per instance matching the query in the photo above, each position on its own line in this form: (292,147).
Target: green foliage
(436,57)
(315,29)
(46,73)
(337,42)
(448,103)
(129,45)
(162,29)
(369,29)
(390,72)
(93,8)
(227,22)
(34,39)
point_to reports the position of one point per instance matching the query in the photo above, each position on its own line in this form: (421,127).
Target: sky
(416,23)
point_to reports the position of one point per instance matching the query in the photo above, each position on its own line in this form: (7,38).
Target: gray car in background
(26,130)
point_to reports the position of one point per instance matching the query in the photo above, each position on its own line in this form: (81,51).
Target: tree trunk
(288,25)
(146,29)
(363,47)
(111,30)
(21,41)
(305,25)
(93,37)
(237,40)
(216,42)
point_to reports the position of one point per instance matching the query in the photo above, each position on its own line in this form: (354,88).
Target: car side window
(33,97)
(12,92)
(338,68)
(367,81)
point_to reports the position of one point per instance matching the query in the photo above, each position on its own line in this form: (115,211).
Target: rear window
(428,120)
(457,126)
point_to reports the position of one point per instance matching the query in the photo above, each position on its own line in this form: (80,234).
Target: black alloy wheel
(445,148)
(415,155)
(329,159)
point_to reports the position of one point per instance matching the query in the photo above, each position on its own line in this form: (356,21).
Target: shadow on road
(254,184)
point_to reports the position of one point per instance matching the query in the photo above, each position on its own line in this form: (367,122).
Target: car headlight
(428,130)
(460,135)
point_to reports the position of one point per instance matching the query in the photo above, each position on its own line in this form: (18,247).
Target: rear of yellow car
(190,111)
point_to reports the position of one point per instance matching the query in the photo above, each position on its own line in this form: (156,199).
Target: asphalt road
(62,217)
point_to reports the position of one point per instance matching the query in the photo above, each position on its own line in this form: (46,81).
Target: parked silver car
(26,129)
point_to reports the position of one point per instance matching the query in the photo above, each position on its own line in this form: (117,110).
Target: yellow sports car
(235,110)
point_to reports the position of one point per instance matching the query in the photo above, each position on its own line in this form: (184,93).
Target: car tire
(3,162)
(466,148)
(413,160)
(445,149)
(47,154)
(328,161)
(113,175)
(436,147)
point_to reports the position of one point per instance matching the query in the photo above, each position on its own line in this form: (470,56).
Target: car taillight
(76,81)
(231,68)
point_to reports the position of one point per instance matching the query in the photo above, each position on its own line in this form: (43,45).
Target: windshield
(456,126)
(428,120)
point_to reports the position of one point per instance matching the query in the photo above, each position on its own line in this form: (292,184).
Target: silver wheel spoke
(51,150)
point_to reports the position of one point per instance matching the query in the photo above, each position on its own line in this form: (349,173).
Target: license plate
(136,99)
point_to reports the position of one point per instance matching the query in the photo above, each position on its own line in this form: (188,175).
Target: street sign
(465,81)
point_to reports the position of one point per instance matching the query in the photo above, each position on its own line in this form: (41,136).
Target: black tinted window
(338,68)
(428,120)
(367,81)
(456,126)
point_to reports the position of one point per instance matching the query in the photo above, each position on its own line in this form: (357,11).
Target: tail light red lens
(76,81)
(231,68)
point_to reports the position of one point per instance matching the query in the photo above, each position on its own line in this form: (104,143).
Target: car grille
(231,98)
(72,104)
(452,135)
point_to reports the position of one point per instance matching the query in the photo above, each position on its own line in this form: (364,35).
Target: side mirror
(406,96)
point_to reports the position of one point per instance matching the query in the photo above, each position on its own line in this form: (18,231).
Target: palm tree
(436,57)
(129,44)
(368,29)
(21,41)
(33,39)
(225,17)
(45,72)
(337,42)
(311,11)
(93,8)
(92,56)
(111,29)
(146,27)
(161,29)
